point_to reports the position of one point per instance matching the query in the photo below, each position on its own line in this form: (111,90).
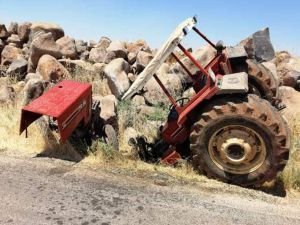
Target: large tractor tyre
(261,81)
(110,137)
(244,142)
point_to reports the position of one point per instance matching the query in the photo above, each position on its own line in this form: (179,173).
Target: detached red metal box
(68,103)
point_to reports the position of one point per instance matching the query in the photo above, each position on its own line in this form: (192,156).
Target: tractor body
(230,129)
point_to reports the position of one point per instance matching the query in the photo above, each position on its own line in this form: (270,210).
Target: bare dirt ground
(37,190)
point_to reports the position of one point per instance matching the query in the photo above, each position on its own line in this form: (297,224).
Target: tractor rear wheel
(244,142)
(261,81)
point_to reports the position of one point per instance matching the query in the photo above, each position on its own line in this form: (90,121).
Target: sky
(153,20)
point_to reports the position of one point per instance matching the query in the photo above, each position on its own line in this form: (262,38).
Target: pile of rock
(39,54)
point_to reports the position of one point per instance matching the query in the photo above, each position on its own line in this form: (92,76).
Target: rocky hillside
(34,56)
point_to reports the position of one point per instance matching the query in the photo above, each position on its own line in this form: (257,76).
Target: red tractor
(231,129)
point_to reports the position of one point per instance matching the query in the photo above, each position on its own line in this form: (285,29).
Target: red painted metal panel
(69,103)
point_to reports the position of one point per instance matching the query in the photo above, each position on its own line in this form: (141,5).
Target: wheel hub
(237,149)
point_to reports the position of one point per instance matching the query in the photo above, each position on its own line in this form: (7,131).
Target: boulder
(258,46)
(30,76)
(50,69)
(103,43)
(291,99)
(41,45)
(18,69)
(25,52)
(92,44)
(99,67)
(13,28)
(33,89)
(9,54)
(203,55)
(116,72)
(139,45)
(118,47)
(15,40)
(97,55)
(7,94)
(287,66)
(272,68)
(155,95)
(2,44)
(293,64)
(138,100)
(67,47)
(56,31)
(292,79)
(3,32)
(81,46)
(132,77)
(131,57)
(142,60)
(108,105)
(24,31)
(84,55)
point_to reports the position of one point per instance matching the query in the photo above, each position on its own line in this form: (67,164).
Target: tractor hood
(161,56)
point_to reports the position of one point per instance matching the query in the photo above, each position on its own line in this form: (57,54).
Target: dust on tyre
(244,142)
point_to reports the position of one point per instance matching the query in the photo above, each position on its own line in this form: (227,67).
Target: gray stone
(142,60)
(259,46)
(138,100)
(13,28)
(116,72)
(33,89)
(18,68)
(3,32)
(2,44)
(15,40)
(92,44)
(118,47)
(24,31)
(7,94)
(41,45)
(103,43)
(56,31)
(9,54)
(131,57)
(108,105)
(292,79)
(30,76)
(81,46)
(139,45)
(97,55)
(67,47)
(84,55)
(155,95)
(50,69)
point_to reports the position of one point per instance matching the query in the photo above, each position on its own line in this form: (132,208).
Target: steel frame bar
(205,38)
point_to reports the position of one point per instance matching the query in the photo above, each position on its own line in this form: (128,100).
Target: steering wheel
(180,101)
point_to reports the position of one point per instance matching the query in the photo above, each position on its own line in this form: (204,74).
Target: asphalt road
(45,191)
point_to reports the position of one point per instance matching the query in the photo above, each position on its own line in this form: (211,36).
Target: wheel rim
(237,149)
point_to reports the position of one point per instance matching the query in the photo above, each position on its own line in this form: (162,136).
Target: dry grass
(9,127)
(291,174)
(92,76)
(103,155)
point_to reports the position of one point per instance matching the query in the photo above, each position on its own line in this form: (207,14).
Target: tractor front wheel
(245,142)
